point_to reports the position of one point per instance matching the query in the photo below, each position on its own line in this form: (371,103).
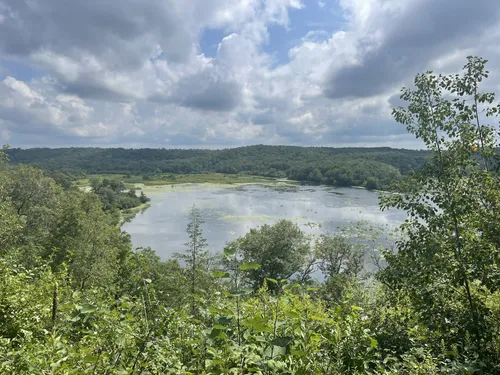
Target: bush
(372,183)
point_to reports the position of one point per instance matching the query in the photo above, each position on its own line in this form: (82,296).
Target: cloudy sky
(224,73)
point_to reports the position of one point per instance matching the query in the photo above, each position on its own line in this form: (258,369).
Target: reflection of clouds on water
(231,212)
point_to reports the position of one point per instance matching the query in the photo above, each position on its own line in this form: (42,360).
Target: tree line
(75,298)
(371,167)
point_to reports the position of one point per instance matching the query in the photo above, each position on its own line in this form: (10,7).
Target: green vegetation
(333,166)
(113,194)
(171,179)
(76,299)
(280,251)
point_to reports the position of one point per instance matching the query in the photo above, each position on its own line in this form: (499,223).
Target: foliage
(280,251)
(113,194)
(448,261)
(334,166)
(372,183)
(196,258)
(76,299)
(336,255)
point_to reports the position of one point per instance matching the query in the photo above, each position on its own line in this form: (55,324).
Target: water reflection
(231,212)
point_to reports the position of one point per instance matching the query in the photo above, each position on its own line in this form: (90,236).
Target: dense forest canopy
(334,166)
(75,298)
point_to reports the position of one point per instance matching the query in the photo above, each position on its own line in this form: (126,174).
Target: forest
(76,298)
(374,168)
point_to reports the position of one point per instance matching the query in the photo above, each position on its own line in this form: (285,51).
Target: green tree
(372,183)
(165,278)
(335,255)
(315,175)
(143,198)
(30,203)
(280,250)
(87,239)
(448,260)
(196,258)
(341,263)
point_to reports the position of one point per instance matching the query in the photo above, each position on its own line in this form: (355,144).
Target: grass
(171,179)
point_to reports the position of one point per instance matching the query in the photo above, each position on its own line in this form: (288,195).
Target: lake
(231,211)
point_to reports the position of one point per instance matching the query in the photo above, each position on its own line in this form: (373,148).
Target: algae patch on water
(264,219)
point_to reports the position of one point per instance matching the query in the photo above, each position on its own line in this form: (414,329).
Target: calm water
(231,212)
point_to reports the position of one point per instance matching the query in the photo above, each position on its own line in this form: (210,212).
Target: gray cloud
(93,89)
(425,30)
(130,72)
(94,47)
(208,91)
(264,118)
(121,33)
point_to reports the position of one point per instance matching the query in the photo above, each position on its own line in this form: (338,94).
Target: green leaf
(292,314)
(276,351)
(88,309)
(282,341)
(298,353)
(261,328)
(220,274)
(90,358)
(249,266)
(224,320)
(373,343)
(217,334)
(258,324)
(229,251)
(214,310)
(274,281)
(75,318)
(315,337)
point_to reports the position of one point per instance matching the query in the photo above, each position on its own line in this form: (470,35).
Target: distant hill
(336,166)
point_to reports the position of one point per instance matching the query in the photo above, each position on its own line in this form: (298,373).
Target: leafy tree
(165,278)
(315,175)
(335,255)
(448,261)
(30,205)
(336,166)
(91,305)
(11,228)
(62,179)
(86,239)
(196,258)
(372,183)
(113,194)
(341,263)
(280,250)
(143,198)
(29,189)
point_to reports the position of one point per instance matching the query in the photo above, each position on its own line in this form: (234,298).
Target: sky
(227,73)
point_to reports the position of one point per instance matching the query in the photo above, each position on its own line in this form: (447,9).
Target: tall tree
(196,257)
(449,259)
